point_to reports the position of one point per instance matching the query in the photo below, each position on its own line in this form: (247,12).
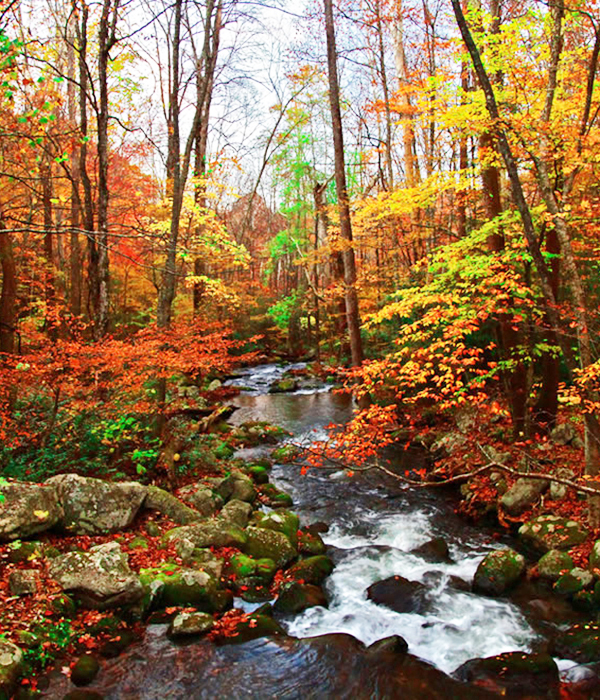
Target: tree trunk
(8,295)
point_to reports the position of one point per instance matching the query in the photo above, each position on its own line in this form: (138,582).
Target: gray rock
(595,557)
(100,578)
(236,512)
(93,506)
(553,564)
(27,509)
(548,532)
(243,488)
(269,544)
(190,623)
(201,498)
(211,533)
(449,443)
(23,582)
(563,433)
(221,485)
(167,504)
(11,660)
(214,385)
(498,572)
(522,495)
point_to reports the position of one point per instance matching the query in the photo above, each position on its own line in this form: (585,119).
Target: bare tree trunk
(352,311)
(8,295)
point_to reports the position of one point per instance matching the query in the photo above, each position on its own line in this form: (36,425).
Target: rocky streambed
(246,601)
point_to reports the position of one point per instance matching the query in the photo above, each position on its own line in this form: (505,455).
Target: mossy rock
(116,646)
(138,543)
(182,587)
(256,592)
(152,529)
(224,451)
(187,624)
(258,474)
(243,487)
(84,671)
(269,544)
(581,642)
(585,601)
(294,597)
(312,570)
(283,386)
(286,453)
(573,581)
(548,532)
(236,512)
(20,552)
(274,498)
(595,557)
(283,521)
(554,564)
(498,572)
(310,543)
(242,566)
(254,627)
(63,605)
(211,533)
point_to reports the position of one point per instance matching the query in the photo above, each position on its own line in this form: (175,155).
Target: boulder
(221,485)
(399,594)
(201,498)
(236,512)
(283,386)
(84,671)
(182,586)
(594,560)
(211,533)
(23,582)
(250,627)
(11,660)
(295,597)
(269,544)
(243,488)
(394,645)
(20,552)
(273,497)
(100,578)
(548,532)
(282,521)
(186,624)
(553,564)
(581,642)
(310,543)
(286,453)
(522,495)
(241,568)
(449,443)
(573,582)
(258,473)
(167,504)
(312,570)
(27,509)
(93,506)
(563,434)
(514,674)
(435,550)
(498,572)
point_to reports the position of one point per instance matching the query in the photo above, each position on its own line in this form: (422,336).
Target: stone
(573,582)
(186,624)
(259,474)
(244,571)
(449,443)
(269,544)
(286,453)
(283,386)
(243,488)
(152,529)
(581,642)
(514,674)
(84,671)
(312,570)
(394,645)
(522,495)
(23,582)
(399,594)
(100,578)
(563,433)
(201,498)
(295,597)
(27,509)
(548,532)
(19,552)
(310,543)
(435,550)
(553,564)
(214,385)
(210,533)
(498,572)
(183,586)
(167,504)
(221,485)
(236,512)
(93,506)
(252,627)
(594,560)
(11,662)
(273,497)
(283,521)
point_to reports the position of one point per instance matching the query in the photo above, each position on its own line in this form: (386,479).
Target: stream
(374,523)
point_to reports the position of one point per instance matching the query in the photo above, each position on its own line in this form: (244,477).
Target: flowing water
(374,524)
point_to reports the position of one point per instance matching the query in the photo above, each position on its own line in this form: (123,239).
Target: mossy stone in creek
(253,627)
(211,533)
(498,572)
(554,564)
(241,566)
(548,532)
(258,474)
(256,592)
(595,556)
(573,581)
(269,544)
(514,672)
(394,644)
(274,498)
(184,587)
(312,570)
(187,624)
(310,543)
(224,451)
(435,550)
(295,597)
(286,453)
(581,643)
(283,521)
(84,671)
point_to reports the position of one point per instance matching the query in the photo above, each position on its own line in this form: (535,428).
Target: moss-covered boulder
(522,495)
(284,385)
(310,543)
(498,572)
(286,453)
(258,474)
(294,597)
(27,509)
(187,624)
(224,451)
(514,674)
(548,532)
(221,485)
(201,498)
(242,566)
(581,642)
(243,487)
(435,550)
(251,627)
(312,570)
(595,557)
(554,564)
(573,581)
(20,552)
(11,663)
(181,586)
(236,512)
(210,533)
(268,544)
(283,521)
(273,497)
(167,504)
(85,670)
